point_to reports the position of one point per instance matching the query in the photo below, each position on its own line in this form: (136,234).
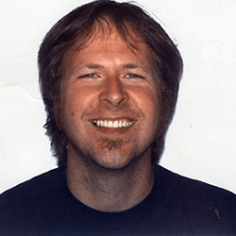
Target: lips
(113,124)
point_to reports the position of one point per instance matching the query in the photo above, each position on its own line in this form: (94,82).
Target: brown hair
(75,28)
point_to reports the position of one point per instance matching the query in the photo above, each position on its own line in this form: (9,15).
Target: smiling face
(109,105)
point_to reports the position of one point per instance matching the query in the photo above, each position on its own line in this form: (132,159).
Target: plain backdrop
(201,140)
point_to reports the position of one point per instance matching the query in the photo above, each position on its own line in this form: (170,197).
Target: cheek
(147,101)
(151,111)
(77,100)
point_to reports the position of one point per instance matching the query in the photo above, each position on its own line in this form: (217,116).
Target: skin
(110,169)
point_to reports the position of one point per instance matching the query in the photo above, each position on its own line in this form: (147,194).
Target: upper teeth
(112,124)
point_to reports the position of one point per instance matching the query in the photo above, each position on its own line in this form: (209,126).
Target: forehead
(113,42)
(106,39)
(107,30)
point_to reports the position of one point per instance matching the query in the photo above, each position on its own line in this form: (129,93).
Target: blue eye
(90,75)
(134,76)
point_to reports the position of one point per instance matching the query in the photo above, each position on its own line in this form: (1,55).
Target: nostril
(114,100)
(113,93)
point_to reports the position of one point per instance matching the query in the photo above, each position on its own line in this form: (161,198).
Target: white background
(201,140)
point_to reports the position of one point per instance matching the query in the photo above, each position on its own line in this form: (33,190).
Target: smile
(116,124)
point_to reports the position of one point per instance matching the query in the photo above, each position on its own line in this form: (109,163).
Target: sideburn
(57,106)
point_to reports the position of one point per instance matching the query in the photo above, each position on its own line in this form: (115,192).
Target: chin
(114,161)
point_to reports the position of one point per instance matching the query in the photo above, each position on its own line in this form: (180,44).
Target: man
(109,77)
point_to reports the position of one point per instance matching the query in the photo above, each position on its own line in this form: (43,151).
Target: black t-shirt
(44,206)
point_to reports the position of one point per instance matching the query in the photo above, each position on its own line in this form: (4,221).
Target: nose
(113,92)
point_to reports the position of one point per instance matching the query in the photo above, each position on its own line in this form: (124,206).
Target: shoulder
(30,202)
(46,181)
(200,204)
(190,187)
(26,196)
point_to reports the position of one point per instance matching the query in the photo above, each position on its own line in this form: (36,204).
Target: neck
(109,190)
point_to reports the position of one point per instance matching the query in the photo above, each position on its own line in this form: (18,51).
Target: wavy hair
(75,29)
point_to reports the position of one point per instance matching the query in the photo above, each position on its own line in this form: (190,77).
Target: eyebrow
(89,66)
(124,66)
(134,65)
(94,66)
(129,65)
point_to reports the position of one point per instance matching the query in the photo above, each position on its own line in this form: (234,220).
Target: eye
(90,75)
(134,76)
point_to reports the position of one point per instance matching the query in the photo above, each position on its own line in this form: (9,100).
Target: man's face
(110,105)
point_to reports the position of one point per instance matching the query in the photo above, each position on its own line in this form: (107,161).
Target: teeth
(105,124)
(113,124)
(110,124)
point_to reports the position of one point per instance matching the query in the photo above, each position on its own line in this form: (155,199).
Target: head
(73,32)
